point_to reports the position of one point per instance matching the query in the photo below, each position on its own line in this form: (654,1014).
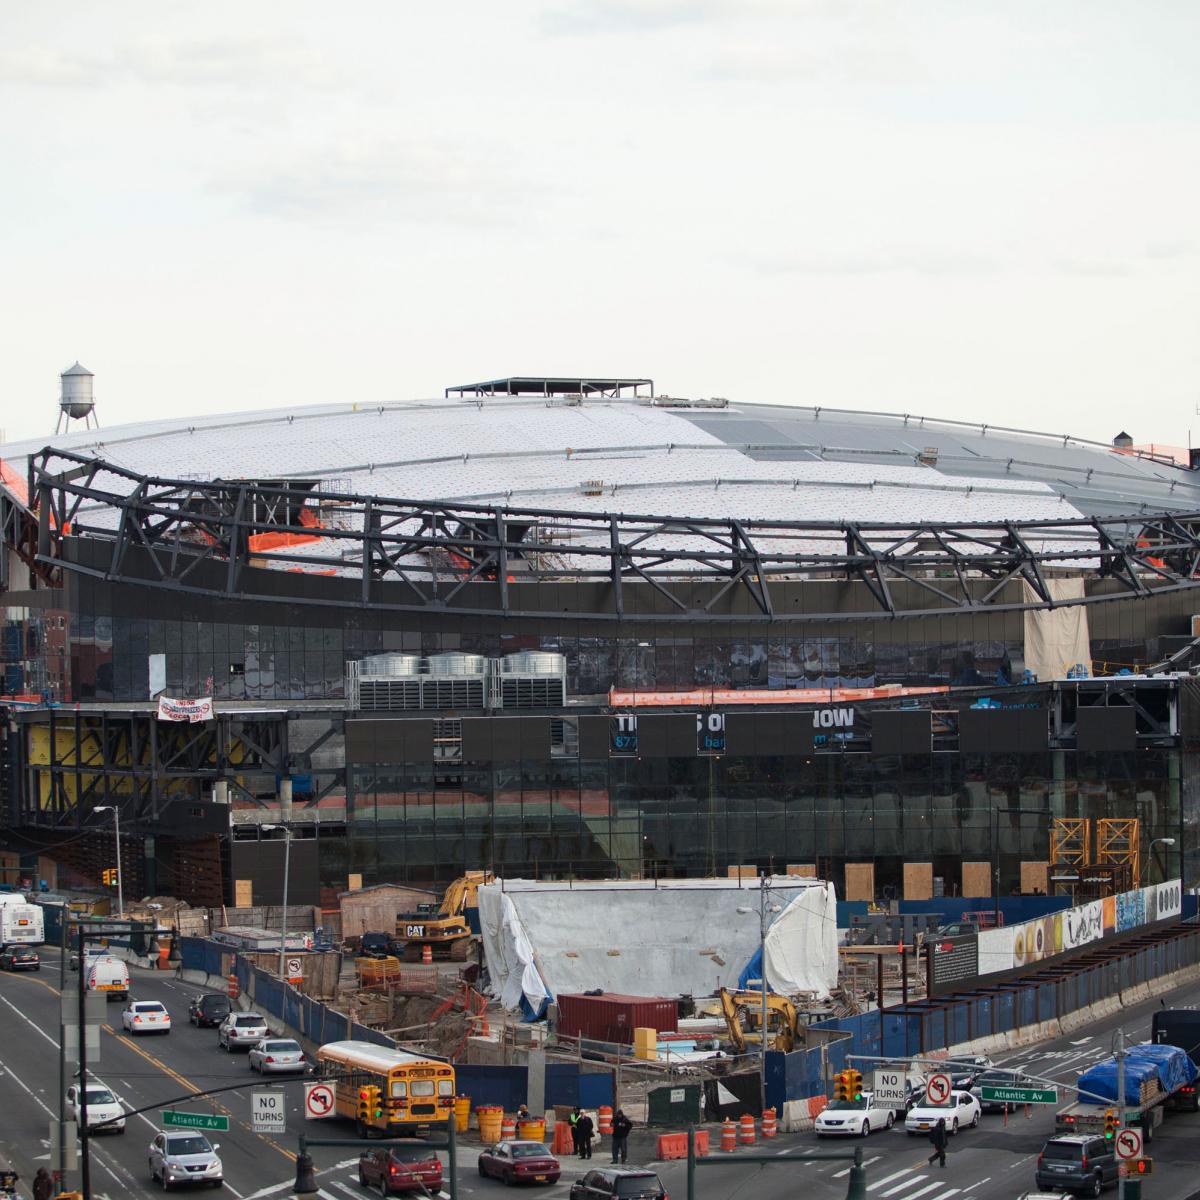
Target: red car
(520,1162)
(390,1169)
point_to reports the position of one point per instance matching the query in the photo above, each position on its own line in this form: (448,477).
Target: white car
(185,1156)
(102,1108)
(854,1118)
(242,1029)
(960,1110)
(277,1056)
(145,1016)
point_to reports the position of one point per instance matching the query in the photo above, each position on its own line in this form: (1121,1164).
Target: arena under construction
(573,628)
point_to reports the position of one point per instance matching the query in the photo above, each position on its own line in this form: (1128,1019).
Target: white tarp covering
(646,938)
(1056,639)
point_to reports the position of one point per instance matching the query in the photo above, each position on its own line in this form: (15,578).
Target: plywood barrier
(860,881)
(918,881)
(976,879)
(1035,877)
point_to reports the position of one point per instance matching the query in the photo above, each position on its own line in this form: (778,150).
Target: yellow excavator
(444,930)
(743,1016)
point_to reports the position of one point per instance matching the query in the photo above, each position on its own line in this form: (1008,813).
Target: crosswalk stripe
(345,1188)
(931,1187)
(888,1179)
(846,1170)
(947,1195)
(906,1184)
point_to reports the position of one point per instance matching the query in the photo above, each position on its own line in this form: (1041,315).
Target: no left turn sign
(937,1090)
(1129,1144)
(318,1101)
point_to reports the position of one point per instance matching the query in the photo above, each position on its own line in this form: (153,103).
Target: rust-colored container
(611,1017)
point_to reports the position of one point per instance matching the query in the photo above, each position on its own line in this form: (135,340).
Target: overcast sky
(984,210)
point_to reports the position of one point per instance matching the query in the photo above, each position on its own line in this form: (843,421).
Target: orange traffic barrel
(508,1128)
(769,1127)
(728,1137)
(232,988)
(427,953)
(605,1122)
(563,1142)
(746,1130)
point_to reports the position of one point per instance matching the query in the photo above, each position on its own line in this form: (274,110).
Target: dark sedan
(391,1169)
(208,1009)
(520,1162)
(19,958)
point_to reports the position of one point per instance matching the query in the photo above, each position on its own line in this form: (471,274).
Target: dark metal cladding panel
(988,731)
(901,731)
(360,741)
(506,739)
(1106,729)
(477,739)
(535,738)
(594,735)
(740,734)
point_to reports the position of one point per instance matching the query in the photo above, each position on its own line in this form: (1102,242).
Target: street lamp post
(287,858)
(1165,841)
(116,812)
(763,921)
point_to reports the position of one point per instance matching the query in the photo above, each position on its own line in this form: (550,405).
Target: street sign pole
(1120,1057)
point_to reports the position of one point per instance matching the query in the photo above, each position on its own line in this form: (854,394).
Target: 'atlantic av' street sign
(191,1120)
(1017,1095)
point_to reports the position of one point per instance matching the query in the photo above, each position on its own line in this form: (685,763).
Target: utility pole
(1119,1054)
(762,971)
(85,1165)
(61,1165)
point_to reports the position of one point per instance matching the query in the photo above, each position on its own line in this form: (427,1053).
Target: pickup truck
(1155,1075)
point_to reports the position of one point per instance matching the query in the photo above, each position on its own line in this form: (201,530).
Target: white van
(108,975)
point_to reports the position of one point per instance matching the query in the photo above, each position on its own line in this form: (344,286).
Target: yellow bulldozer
(743,1016)
(445,930)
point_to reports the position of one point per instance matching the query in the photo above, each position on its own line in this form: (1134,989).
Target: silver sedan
(277,1056)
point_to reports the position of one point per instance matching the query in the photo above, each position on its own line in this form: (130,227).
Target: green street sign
(191,1120)
(1017,1095)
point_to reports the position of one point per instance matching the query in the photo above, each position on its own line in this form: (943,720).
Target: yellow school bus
(396,1091)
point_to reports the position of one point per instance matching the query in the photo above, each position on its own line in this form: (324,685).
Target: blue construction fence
(310,1018)
(566,1083)
(926,1026)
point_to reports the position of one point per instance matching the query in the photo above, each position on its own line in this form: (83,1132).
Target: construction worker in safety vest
(573,1120)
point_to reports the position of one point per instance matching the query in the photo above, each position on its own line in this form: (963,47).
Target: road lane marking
(902,1186)
(846,1170)
(932,1187)
(888,1179)
(947,1195)
(32,1095)
(345,1187)
(188,1085)
(977,1183)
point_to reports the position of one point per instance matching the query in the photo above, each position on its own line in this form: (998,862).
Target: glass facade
(700,816)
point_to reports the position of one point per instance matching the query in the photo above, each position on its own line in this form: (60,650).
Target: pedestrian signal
(1143,1166)
(1111,1124)
(841,1085)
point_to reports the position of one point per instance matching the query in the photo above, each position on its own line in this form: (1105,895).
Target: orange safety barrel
(508,1128)
(563,1142)
(604,1124)
(728,1137)
(427,953)
(746,1130)
(232,989)
(769,1125)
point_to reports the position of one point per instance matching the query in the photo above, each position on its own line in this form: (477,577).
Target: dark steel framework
(132,758)
(477,559)
(543,385)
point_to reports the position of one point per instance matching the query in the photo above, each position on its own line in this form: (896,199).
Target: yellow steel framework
(1119,842)
(1071,842)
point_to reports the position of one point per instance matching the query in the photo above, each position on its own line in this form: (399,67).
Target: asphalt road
(992,1162)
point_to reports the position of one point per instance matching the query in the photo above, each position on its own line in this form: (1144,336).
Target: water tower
(76,402)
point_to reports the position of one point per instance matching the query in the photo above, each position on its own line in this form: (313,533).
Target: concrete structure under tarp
(654,938)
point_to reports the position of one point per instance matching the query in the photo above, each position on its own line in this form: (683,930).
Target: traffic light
(855,1082)
(374,1102)
(1143,1166)
(1112,1123)
(364,1105)
(109,876)
(841,1085)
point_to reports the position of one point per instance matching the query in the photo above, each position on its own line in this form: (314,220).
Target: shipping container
(611,1017)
